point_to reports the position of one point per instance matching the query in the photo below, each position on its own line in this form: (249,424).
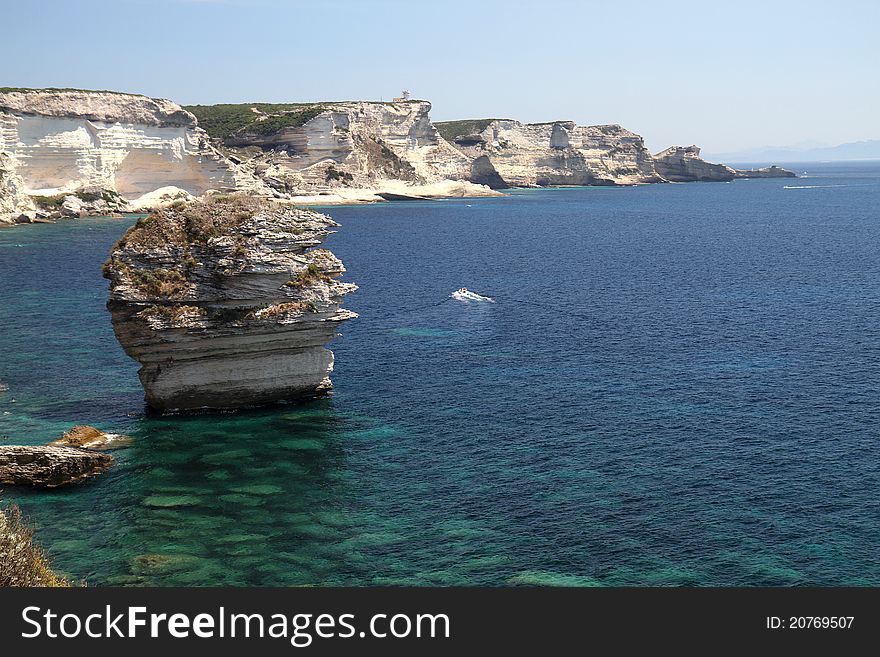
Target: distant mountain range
(806,152)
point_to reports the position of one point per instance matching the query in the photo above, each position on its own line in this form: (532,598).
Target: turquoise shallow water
(677,386)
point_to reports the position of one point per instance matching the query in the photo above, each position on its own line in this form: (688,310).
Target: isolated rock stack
(225,302)
(684,164)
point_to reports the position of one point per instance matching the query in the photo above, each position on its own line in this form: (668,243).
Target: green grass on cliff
(277,122)
(449,130)
(225,120)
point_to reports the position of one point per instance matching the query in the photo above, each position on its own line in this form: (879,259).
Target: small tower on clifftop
(403,97)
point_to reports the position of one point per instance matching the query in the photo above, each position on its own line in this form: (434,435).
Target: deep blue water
(678,385)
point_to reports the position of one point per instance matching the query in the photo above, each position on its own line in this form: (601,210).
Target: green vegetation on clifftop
(224,120)
(449,130)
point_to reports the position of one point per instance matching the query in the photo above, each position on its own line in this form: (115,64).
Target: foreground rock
(22,561)
(49,466)
(226,303)
(684,164)
(766,172)
(507,153)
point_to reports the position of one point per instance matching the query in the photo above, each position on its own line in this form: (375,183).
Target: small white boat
(464,294)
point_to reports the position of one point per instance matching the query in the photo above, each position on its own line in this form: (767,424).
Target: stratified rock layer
(684,164)
(49,466)
(226,302)
(507,153)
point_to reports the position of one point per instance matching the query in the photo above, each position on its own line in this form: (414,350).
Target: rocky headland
(226,302)
(507,153)
(684,164)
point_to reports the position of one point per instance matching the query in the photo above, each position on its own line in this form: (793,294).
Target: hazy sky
(723,75)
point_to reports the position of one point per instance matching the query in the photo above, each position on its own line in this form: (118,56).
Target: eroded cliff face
(507,153)
(375,147)
(58,142)
(226,302)
(13,199)
(684,164)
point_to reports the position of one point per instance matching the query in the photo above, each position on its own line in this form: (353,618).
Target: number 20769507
(810,622)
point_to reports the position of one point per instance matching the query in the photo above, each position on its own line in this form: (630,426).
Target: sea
(676,385)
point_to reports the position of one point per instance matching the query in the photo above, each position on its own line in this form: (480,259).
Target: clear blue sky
(723,75)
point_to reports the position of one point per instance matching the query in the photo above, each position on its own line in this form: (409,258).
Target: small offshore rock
(49,466)
(765,172)
(91,438)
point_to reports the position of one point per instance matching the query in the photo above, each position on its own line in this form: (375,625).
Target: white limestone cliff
(507,153)
(363,148)
(58,142)
(75,153)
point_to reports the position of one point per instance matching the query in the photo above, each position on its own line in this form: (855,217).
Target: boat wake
(816,186)
(463,294)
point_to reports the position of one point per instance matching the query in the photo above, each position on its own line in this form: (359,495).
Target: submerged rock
(226,302)
(49,466)
(684,164)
